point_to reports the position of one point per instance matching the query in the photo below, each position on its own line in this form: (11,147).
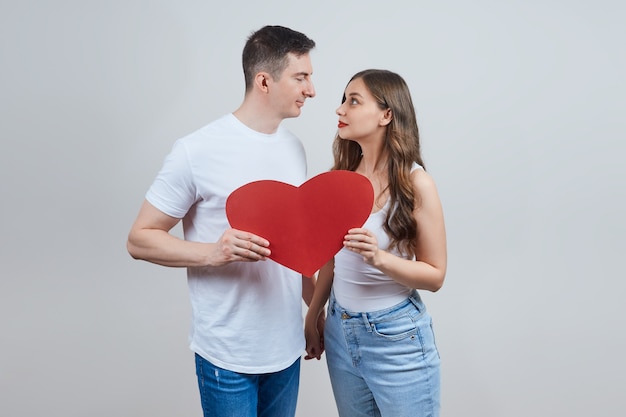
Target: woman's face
(360,118)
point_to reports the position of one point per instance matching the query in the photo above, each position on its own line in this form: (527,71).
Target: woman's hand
(363,242)
(314,335)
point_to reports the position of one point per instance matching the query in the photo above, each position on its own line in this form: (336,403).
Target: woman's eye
(353,101)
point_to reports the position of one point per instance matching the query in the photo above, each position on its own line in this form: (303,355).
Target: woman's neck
(373,161)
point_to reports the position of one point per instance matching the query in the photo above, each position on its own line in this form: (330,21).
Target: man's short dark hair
(267,50)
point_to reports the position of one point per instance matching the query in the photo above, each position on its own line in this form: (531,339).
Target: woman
(378,337)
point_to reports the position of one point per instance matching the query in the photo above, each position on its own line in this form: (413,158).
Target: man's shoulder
(202,135)
(218,124)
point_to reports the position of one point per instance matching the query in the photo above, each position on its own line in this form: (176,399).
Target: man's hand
(314,334)
(236,245)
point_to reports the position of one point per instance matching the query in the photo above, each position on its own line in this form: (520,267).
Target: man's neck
(257,118)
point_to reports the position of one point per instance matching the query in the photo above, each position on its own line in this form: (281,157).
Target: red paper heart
(305,225)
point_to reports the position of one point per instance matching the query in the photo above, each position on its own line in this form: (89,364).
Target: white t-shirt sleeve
(173,190)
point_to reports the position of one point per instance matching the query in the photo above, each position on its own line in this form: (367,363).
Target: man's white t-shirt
(247,316)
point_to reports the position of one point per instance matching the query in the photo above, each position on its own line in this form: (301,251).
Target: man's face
(288,93)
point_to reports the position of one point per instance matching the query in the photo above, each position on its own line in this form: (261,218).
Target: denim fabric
(225,393)
(383,363)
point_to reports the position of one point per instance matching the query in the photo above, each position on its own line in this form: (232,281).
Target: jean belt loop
(416,300)
(366,321)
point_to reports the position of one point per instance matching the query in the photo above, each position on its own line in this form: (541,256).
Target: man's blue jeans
(230,394)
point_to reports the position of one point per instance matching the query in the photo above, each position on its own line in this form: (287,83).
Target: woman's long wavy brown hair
(403,149)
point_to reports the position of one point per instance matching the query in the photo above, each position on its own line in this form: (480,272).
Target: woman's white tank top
(360,287)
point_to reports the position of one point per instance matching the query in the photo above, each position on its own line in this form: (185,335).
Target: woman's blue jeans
(225,393)
(383,363)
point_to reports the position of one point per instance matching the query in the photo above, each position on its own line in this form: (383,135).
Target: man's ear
(261,81)
(386,117)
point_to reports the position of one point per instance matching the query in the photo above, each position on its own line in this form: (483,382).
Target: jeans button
(345,316)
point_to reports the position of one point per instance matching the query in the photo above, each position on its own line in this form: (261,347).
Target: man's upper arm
(150,217)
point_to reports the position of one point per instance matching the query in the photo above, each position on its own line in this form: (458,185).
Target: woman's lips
(341,124)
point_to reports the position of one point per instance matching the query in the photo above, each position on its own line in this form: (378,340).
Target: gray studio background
(521,108)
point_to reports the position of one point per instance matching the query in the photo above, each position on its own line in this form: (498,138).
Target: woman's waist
(362,296)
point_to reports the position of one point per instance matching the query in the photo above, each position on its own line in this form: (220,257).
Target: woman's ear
(386,117)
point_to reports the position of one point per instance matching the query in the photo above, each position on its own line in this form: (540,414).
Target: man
(247,330)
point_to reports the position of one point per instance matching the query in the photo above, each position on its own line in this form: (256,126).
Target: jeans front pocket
(396,328)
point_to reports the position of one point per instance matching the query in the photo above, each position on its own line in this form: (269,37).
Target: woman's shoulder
(421,179)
